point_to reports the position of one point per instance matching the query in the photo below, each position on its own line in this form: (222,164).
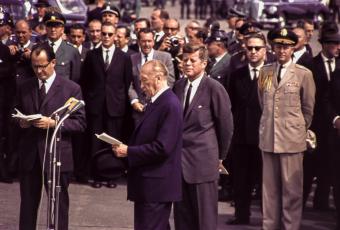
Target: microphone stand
(54,187)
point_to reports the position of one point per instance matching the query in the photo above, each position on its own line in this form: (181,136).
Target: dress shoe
(96,184)
(237,221)
(111,184)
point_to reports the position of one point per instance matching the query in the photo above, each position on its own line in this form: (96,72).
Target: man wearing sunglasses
(246,156)
(106,78)
(68,58)
(287,95)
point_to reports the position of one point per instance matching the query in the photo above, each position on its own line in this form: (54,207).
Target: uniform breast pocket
(63,68)
(292,96)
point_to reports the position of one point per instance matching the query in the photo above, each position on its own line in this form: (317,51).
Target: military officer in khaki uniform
(286,94)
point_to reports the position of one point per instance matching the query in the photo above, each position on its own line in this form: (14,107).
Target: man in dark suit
(158,18)
(146,43)
(106,78)
(318,163)
(44,94)
(154,152)
(94,34)
(21,51)
(335,121)
(246,156)
(219,59)
(123,39)
(77,38)
(301,55)
(207,132)
(68,59)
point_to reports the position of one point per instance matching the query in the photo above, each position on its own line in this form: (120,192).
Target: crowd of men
(198,103)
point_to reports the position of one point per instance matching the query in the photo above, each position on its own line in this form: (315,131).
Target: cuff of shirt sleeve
(336,118)
(134,101)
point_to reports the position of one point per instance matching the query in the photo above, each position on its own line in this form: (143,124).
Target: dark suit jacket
(335,95)
(245,107)
(23,68)
(321,113)
(154,153)
(83,53)
(32,140)
(106,89)
(68,62)
(306,60)
(220,71)
(207,131)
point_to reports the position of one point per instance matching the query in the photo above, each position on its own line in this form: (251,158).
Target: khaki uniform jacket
(287,108)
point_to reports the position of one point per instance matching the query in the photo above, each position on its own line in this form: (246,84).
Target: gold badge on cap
(284,32)
(53,18)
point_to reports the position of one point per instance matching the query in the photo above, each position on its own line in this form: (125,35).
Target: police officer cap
(5,18)
(42,3)
(329,33)
(111,9)
(54,18)
(284,36)
(235,13)
(216,34)
(250,27)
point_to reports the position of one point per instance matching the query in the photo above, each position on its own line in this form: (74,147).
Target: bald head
(23,31)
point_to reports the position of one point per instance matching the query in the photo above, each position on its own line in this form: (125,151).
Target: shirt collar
(56,43)
(49,80)
(154,98)
(195,83)
(25,45)
(220,57)
(258,68)
(111,48)
(150,55)
(125,49)
(299,53)
(286,64)
(325,59)
(80,48)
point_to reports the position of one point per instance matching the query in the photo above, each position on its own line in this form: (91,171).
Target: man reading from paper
(154,153)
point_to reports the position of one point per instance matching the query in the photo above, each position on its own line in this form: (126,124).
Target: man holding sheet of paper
(154,153)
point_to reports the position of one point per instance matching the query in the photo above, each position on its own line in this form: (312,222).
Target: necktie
(329,63)
(107,61)
(52,45)
(42,92)
(187,99)
(156,37)
(279,74)
(146,58)
(255,75)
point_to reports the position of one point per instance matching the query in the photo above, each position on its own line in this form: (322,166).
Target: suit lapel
(197,95)
(34,94)
(114,58)
(55,87)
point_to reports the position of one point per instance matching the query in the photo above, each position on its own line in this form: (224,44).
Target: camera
(174,41)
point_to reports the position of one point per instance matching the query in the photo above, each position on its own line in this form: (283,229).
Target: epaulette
(301,67)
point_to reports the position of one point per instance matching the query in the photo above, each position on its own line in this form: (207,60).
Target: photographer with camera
(172,42)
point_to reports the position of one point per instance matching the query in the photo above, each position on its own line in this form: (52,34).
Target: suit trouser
(198,209)
(30,193)
(282,190)
(246,169)
(152,216)
(336,172)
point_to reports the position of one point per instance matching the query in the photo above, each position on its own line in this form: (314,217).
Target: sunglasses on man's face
(107,34)
(257,48)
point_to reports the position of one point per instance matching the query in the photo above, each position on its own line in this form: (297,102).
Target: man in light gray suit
(146,42)
(207,132)
(286,95)
(68,58)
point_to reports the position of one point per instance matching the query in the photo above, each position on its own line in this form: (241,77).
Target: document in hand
(22,116)
(108,139)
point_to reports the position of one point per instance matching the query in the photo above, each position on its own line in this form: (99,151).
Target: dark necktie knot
(279,74)
(42,91)
(255,73)
(146,58)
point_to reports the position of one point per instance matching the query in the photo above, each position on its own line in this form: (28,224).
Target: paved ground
(103,209)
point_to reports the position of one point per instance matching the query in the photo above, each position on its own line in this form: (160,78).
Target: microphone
(75,105)
(67,104)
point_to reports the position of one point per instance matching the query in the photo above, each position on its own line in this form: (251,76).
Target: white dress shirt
(111,51)
(159,93)
(195,83)
(48,82)
(284,68)
(325,59)
(56,44)
(251,70)
(150,56)
(299,54)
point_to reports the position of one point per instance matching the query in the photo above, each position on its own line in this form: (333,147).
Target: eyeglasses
(257,48)
(40,66)
(107,34)
(169,28)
